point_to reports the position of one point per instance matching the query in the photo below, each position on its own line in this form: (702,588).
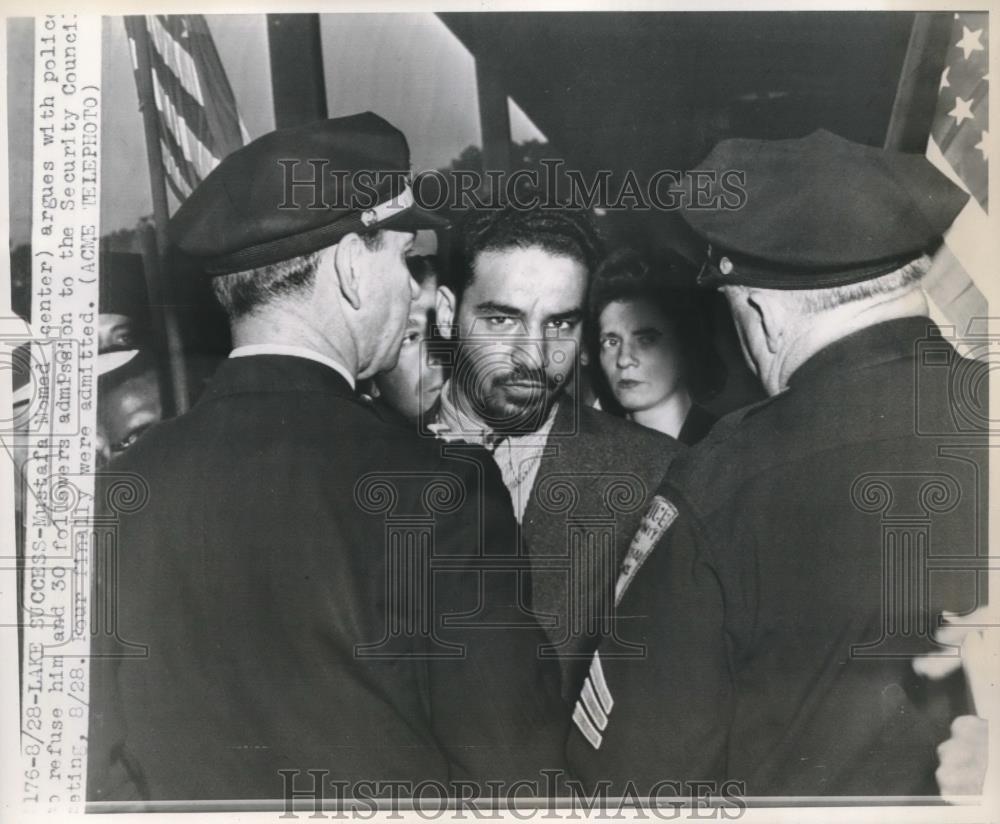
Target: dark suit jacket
(808,546)
(271,575)
(593,485)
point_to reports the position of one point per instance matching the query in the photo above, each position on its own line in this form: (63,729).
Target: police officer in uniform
(275,607)
(798,558)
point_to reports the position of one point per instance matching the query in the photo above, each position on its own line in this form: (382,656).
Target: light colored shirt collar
(518,456)
(454,423)
(295,352)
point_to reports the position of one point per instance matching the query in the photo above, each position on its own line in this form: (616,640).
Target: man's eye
(648,340)
(609,342)
(562,325)
(501,321)
(129,440)
(411,338)
(125,443)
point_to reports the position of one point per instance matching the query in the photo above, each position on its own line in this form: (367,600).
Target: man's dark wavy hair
(563,231)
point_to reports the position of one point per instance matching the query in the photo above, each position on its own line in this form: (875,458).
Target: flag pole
(297,80)
(916,94)
(173,383)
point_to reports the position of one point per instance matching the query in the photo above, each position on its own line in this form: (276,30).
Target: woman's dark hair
(627,275)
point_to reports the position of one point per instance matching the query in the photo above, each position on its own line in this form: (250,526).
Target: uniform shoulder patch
(654,525)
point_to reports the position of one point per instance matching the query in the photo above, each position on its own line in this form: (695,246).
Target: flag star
(944,79)
(983,145)
(970,41)
(962,111)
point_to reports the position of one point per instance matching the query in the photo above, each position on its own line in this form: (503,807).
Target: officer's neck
(290,325)
(816,331)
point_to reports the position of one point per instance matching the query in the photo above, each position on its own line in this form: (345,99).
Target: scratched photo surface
(550,412)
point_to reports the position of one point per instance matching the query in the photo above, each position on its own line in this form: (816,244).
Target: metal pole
(154,242)
(494,116)
(297,80)
(916,94)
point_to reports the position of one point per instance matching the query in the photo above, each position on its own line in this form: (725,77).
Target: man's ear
(769,312)
(444,309)
(346,259)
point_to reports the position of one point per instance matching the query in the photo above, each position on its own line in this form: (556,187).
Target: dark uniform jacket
(808,546)
(697,425)
(291,578)
(594,483)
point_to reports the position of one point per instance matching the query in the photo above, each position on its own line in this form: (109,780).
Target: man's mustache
(526,375)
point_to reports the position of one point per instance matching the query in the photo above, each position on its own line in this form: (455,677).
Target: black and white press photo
(485,412)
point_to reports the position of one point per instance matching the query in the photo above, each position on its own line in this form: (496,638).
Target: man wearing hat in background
(128,398)
(124,306)
(780,584)
(259,573)
(125,406)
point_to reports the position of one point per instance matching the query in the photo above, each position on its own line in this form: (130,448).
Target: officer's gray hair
(903,279)
(242,293)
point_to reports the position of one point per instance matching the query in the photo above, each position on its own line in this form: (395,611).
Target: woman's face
(639,353)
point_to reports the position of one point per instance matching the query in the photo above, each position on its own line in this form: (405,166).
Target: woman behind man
(645,337)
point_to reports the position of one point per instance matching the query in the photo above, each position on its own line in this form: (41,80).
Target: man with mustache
(265,616)
(579,479)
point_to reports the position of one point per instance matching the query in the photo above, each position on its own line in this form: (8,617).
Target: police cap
(297,190)
(820,211)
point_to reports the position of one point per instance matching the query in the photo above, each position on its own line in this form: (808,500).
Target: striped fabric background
(963,276)
(198,120)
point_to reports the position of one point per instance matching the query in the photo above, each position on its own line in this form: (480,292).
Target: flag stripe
(177,170)
(201,158)
(198,121)
(222,117)
(175,153)
(177,28)
(131,51)
(182,102)
(175,177)
(181,63)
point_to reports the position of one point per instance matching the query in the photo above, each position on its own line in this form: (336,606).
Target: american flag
(198,120)
(960,280)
